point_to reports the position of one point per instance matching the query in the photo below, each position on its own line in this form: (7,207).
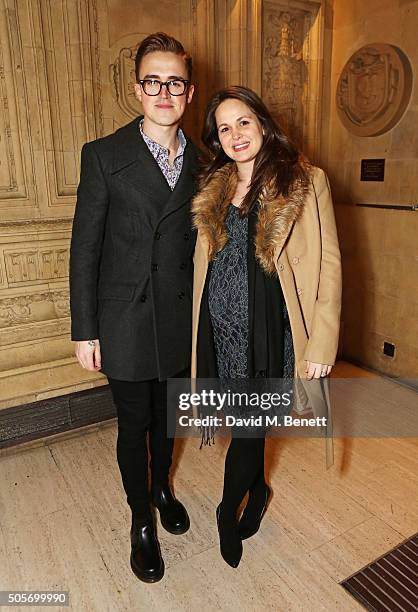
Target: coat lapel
(276,216)
(133,162)
(186,186)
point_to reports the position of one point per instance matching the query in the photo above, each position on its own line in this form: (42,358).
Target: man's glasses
(175,87)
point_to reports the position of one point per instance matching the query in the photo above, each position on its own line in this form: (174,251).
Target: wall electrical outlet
(389,349)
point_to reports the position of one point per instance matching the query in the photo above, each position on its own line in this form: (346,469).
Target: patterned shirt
(160,154)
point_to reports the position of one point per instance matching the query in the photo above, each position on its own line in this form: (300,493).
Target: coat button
(154,267)
(143,298)
(182,266)
(295,260)
(157,235)
(181,295)
(281,267)
(299,290)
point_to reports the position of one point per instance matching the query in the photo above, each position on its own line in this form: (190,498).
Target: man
(130,281)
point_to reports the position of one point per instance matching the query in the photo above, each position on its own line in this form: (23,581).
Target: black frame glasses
(172,86)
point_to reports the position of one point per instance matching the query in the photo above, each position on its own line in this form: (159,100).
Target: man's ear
(138,92)
(190,92)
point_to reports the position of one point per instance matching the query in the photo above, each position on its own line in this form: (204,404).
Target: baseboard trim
(27,422)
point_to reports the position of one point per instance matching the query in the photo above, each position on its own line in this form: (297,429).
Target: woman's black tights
(244,471)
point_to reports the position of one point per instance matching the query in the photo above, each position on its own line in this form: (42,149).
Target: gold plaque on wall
(374,89)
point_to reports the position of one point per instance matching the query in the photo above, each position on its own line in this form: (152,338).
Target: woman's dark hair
(278,163)
(161,42)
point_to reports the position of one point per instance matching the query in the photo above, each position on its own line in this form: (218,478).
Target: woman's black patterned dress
(228,299)
(230,285)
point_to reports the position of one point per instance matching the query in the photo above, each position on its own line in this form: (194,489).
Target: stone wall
(379,245)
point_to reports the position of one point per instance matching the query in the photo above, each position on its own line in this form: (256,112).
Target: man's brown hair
(161,42)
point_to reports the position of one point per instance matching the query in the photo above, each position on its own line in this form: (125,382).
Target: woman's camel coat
(296,239)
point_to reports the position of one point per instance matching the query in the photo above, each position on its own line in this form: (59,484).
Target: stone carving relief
(30,226)
(122,76)
(21,266)
(374,89)
(46,263)
(35,307)
(14,311)
(285,72)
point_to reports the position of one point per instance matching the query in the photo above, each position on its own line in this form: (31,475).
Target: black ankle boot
(253,514)
(146,561)
(229,539)
(173,514)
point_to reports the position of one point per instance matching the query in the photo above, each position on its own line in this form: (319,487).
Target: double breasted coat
(296,239)
(131,268)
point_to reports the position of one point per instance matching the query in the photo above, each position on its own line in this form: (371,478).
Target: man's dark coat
(131,258)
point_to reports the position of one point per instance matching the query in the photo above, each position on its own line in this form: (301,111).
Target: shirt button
(154,267)
(186,235)
(181,295)
(182,266)
(143,298)
(281,267)
(157,235)
(295,260)
(299,290)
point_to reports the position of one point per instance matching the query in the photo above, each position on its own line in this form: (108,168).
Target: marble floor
(64,524)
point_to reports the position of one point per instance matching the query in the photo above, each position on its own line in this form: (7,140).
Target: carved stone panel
(72,96)
(34,307)
(374,89)
(34,300)
(48,262)
(122,76)
(16,169)
(290,50)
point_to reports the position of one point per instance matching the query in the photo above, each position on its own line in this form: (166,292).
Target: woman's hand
(317,370)
(88,354)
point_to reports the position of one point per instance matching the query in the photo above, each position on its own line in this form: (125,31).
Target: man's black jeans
(142,410)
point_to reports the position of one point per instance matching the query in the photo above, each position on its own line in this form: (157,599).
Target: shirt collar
(160,149)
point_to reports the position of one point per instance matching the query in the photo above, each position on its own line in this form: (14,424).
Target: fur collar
(276,216)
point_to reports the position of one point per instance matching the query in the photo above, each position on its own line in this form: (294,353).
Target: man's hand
(88,355)
(316,370)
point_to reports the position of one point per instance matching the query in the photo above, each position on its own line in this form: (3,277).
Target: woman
(267,282)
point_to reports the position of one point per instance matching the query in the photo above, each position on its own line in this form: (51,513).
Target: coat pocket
(114,291)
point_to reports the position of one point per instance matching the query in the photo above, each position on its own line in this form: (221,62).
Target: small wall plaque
(372,170)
